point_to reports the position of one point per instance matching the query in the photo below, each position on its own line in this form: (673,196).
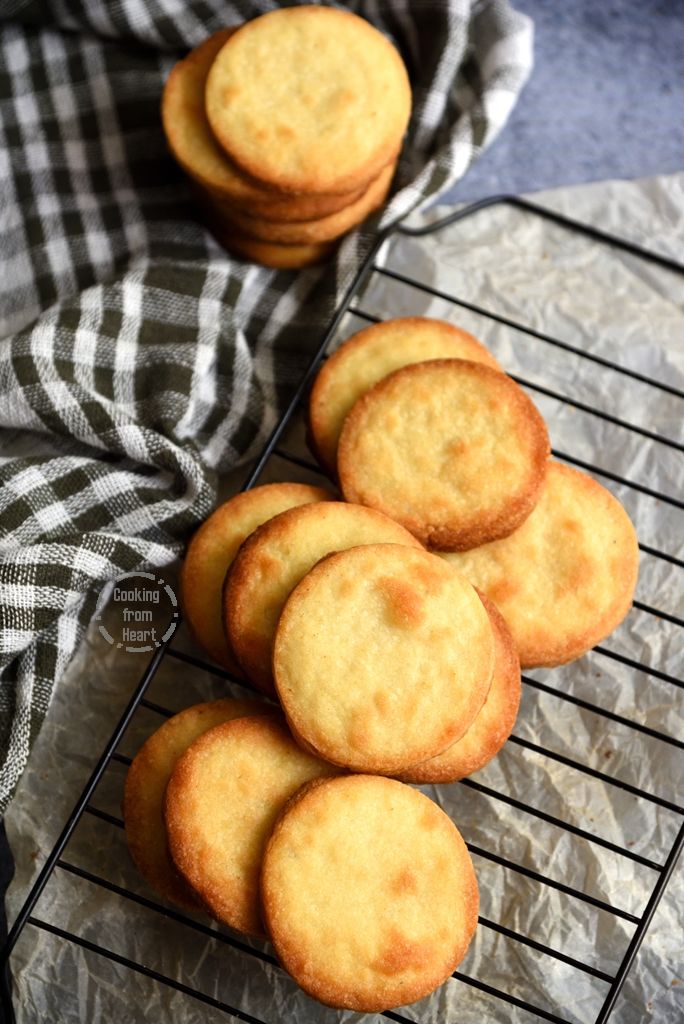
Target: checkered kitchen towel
(137,359)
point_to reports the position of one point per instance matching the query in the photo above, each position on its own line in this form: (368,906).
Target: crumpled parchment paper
(608,303)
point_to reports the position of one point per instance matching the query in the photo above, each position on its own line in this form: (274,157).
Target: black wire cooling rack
(608,966)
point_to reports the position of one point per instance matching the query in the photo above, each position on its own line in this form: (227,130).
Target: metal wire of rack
(660,863)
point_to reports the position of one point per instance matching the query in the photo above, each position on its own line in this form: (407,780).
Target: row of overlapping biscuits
(384,658)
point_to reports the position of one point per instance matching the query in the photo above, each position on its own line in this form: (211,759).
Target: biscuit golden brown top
(369,893)
(223,797)
(382,659)
(146,783)
(213,548)
(191,141)
(275,558)
(494,722)
(453,450)
(309,99)
(565,579)
(370,355)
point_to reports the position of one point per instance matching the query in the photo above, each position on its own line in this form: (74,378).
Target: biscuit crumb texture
(566,578)
(381,659)
(146,783)
(452,449)
(221,803)
(309,99)
(369,893)
(192,143)
(213,548)
(493,723)
(274,560)
(367,358)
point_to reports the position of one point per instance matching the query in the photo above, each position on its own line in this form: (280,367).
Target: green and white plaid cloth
(138,361)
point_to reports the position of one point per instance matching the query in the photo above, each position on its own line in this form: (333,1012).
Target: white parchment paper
(613,305)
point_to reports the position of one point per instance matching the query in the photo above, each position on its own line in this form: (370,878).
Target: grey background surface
(605,100)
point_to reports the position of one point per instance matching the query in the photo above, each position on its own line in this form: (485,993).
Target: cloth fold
(138,361)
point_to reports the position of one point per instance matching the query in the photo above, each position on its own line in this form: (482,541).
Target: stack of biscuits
(387,632)
(289,127)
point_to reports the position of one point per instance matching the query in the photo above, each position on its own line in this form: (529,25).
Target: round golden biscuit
(271,254)
(212,550)
(190,139)
(453,450)
(369,893)
(273,561)
(328,108)
(494,722)
(310,232)
(369,356)
(286,209)
(381,659)
(565,579)
(222,800)
(146,783)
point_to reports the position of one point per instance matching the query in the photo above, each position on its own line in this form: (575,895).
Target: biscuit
(453,450)
(369,893)
(275,558)
(146,783)
(328,108)
(271,254)
(222,800)
(196,150)
(381,659)
(565,579)
(310,232)
(212,550)
(493,723)
(366,358)
(285,208)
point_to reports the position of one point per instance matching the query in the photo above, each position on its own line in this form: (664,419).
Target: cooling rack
(615,928)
